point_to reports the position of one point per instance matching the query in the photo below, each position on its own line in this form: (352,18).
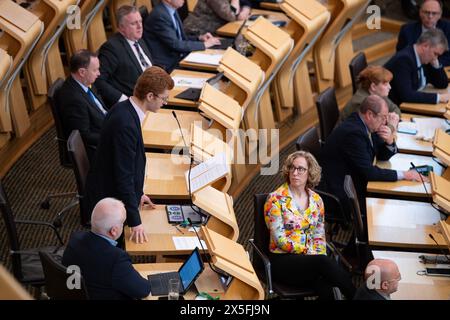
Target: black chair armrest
(267,267)
(324,194)
(342,259)
(42,223)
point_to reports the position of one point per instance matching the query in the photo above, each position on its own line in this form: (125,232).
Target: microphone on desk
(204,251)
(443,252)
(179,127)
(427,193)
(191,157)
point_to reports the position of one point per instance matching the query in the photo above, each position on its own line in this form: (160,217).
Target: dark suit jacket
(161,37)
(405,83)
(119,68)
(107,270)
(119,164)
(79,112)
(363,293)
(410,32)
(348,151)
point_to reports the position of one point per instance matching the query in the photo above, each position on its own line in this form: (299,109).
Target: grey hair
(124,11)
(435,37)
(107,213)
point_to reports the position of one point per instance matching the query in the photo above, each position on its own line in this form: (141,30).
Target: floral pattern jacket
(293,230)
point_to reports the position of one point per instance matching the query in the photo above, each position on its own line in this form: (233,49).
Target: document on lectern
(207,172)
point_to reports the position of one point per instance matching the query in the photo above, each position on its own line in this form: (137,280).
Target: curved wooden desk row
(226,255)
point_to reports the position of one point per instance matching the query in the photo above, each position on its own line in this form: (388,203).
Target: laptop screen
(191,269)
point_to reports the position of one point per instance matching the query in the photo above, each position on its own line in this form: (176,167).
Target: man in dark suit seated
(415,66)
(119,165)
(352,147)
(381,279)
(430,18)
(165,36)
(80,107)
(106,269)
(123,57)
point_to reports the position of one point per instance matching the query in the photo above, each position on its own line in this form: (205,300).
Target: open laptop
(188,273)
(228,42)
(193,94)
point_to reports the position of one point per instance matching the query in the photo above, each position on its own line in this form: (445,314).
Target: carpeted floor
(38,174)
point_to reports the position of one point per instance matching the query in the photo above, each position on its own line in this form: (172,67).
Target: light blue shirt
(111,241)
(99,105)
(172,11)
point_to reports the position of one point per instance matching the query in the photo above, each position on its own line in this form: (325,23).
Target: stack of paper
(207,172)
(204,58)
(188,243)
(426,127)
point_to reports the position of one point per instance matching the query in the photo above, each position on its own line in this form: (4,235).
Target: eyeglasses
(300,170)
(163,99)
(377,114)
(430,13)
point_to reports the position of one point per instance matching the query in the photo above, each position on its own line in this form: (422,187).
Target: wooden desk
(447,72)
(202,66)
(270,6)
(445,230)
(159,233)
(207,277)
(292,84)
(164,179)
(413,286)
(403,224)
(231,29)
(422,108)
(408,143)
(160,130)
(402,161)
(177,89)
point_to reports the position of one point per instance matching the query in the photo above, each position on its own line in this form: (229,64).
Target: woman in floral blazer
(294,215)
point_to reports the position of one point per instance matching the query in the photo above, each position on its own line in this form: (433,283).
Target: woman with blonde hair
(294,215)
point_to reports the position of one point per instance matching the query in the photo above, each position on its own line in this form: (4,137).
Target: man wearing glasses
(353,146)
(430,18)
(119,165)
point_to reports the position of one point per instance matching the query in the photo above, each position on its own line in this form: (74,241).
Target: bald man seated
(381,280)
(106,269)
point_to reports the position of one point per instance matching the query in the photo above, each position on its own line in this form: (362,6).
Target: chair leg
(46,203)
(57,221)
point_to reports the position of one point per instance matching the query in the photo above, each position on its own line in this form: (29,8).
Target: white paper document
(204,58)
(207,172)
(426,127)
(190,82)
(188,243)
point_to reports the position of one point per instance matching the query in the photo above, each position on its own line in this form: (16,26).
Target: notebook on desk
(193,94)
(188,273)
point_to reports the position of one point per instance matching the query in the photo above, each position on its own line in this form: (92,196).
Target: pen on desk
(179,229)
